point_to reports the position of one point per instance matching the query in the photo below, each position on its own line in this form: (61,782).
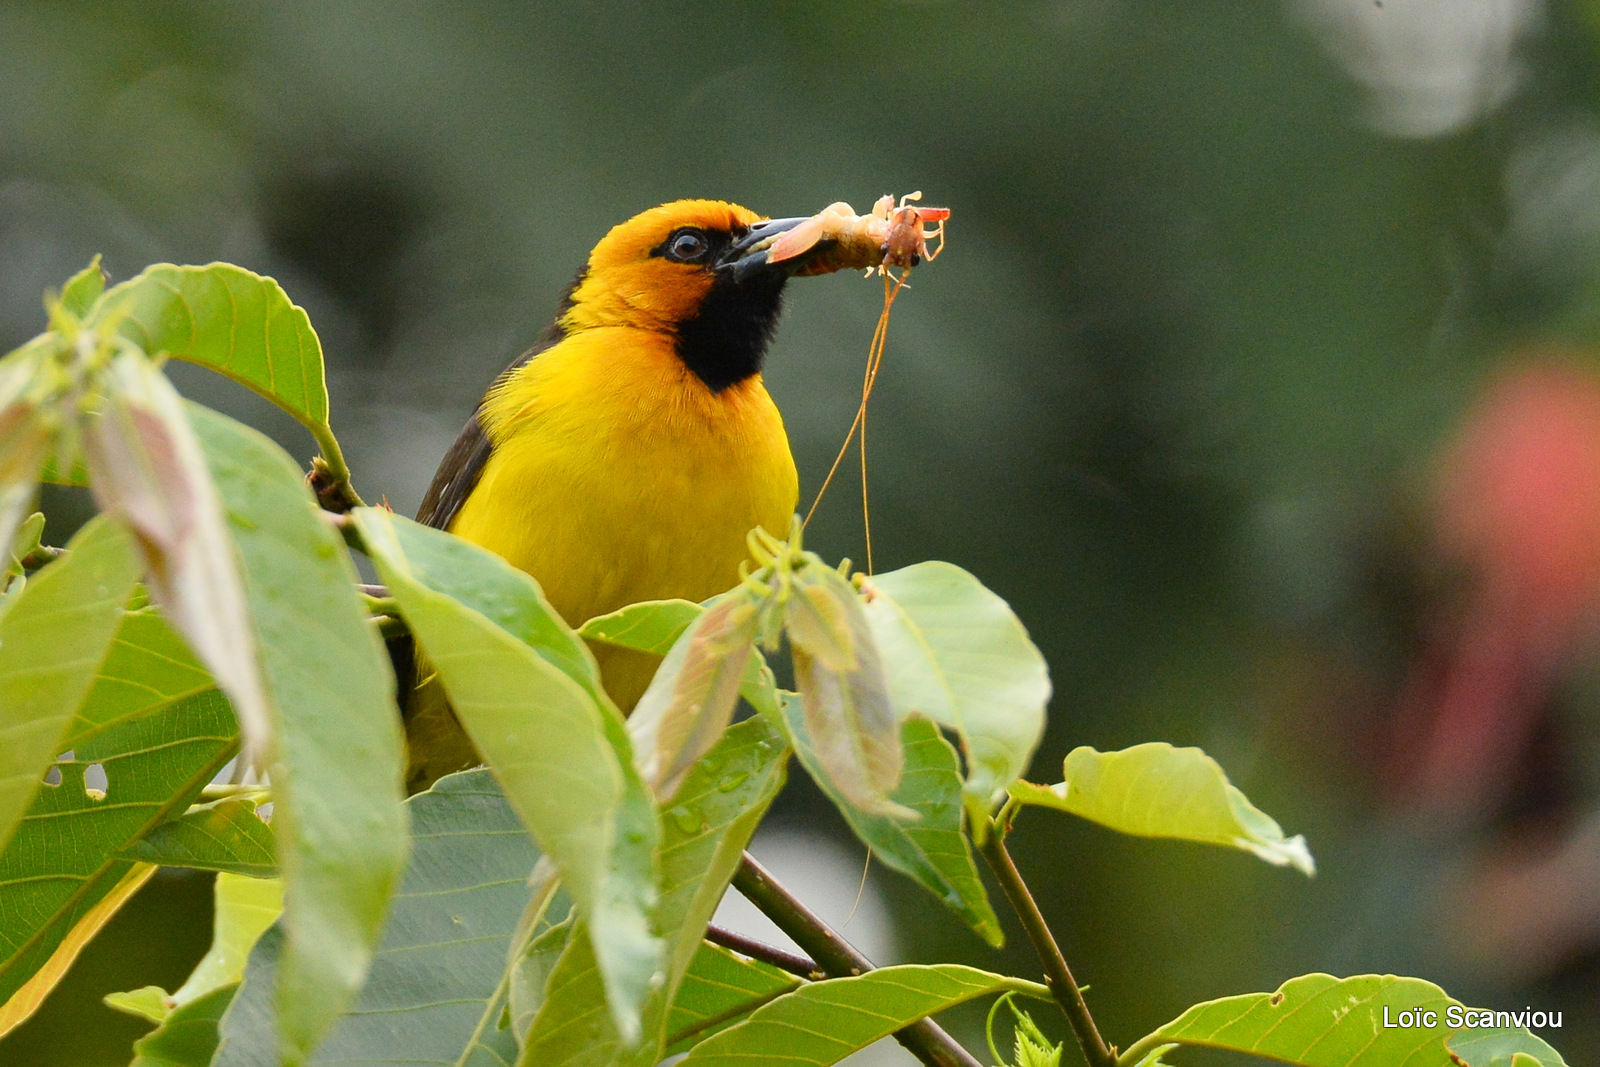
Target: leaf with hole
(65,856)
(149,667)
(54,635)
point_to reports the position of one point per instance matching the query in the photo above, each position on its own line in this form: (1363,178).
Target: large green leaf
(718,990)
(226,318)
(1156,790)
(538,717)
(148,668)
(931,849)
(704,833)
(224,836)
(444,947)
(490,586)
(650,626)
(823,1022)
(1317,1020)
(54,634)
(955,653)
(338,763)
(65,855)
(434,994)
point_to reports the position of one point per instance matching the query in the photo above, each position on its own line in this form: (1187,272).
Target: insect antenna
(858,428)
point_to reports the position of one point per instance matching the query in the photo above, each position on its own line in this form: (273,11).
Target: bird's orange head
(684,268)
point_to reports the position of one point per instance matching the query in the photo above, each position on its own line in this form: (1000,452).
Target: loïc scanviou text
(1458,1018)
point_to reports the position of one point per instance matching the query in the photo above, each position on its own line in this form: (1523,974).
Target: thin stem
(1057,973)
(799,966)
(838,958)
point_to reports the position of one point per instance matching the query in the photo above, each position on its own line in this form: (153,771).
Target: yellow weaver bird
(629,452)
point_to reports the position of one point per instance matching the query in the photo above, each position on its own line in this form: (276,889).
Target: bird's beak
(742,264)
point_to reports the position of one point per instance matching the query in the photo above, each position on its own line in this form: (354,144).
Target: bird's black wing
(457,476)
(462,466)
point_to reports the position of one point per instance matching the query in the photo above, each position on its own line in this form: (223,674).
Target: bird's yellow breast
(618,476)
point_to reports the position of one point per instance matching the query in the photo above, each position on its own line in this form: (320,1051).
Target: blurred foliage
(1175,392)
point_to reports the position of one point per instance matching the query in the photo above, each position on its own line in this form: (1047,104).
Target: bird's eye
(686,246)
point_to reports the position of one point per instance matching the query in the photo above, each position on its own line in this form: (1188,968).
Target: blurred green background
(1257,377)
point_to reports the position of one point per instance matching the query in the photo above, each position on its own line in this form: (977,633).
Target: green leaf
(225,836)
(704,834)
(556,744)
(53,636)
(718,990)
(1317,1020)
(188,1036)
(434,994)
(650,626)
(64,857)
(75,938)
(1156,790)
(149,667)
(444,947)
(83,289)
(529,978)
(338,763)
(653,626)
(955,653)
(224,317)
(148,1002)
(490,586)
(823,1022)
(930,849)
